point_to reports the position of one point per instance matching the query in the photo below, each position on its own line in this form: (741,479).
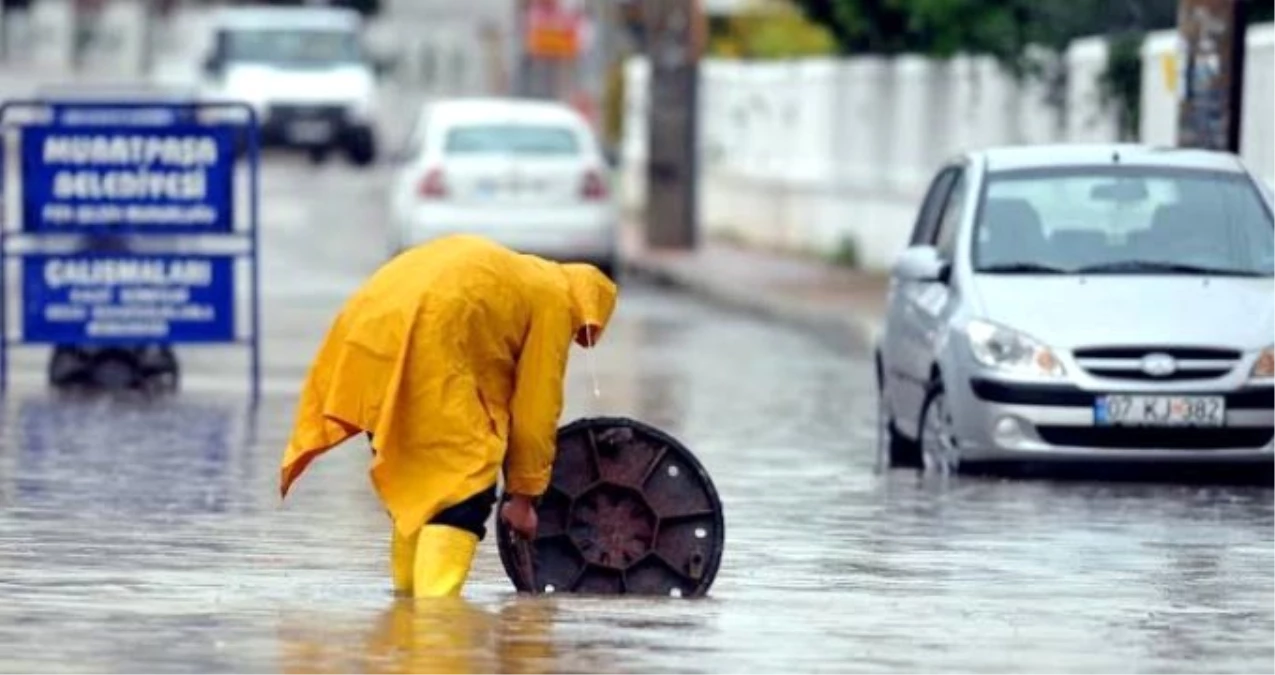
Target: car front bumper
(309,125)
(1012,421)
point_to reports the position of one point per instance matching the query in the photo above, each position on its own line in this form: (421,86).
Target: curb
(849,332)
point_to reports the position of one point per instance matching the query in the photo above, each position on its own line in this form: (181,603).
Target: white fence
(801,155)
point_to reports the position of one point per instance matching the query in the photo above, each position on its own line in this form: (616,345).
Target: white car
(527,174)
(1083,303)
(305,72)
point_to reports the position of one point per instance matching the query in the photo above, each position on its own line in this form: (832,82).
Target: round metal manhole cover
(630,511)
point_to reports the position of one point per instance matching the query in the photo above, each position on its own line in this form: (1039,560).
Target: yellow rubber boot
(443,557)
(402,561)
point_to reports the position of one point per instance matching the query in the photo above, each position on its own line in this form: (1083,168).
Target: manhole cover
(630,511)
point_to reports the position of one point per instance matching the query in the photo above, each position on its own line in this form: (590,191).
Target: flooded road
(148,536)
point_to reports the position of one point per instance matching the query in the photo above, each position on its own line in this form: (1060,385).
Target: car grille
(282,113)
(1187,438)
(1125,363)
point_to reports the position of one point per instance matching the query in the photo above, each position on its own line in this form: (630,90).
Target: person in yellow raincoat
(451,359)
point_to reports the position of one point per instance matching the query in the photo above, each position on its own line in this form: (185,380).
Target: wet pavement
(148,536)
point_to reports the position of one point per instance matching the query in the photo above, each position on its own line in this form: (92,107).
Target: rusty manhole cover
(629,511)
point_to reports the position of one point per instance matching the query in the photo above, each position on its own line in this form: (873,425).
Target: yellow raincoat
(450,354)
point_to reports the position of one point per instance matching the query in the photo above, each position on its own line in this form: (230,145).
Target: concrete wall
(800,155)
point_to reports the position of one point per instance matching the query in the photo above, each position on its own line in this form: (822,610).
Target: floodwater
(147,536)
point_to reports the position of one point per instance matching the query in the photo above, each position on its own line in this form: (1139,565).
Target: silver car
(1082,302)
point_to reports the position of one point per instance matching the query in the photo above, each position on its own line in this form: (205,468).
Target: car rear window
(512,139)
(1110,219)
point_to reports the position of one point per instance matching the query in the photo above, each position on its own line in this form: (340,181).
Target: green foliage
(770,34)
(1005,29)
(846,254)
(1121,81)
(1000,28)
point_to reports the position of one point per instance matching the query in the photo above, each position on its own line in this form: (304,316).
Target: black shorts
(470,515)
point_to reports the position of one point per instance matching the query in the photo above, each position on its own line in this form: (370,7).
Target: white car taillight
(433,185)
(594,187)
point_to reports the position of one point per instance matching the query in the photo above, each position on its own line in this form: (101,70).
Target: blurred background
(818,121)
(140,535)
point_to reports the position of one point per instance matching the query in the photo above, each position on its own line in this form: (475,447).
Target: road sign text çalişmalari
(104,297)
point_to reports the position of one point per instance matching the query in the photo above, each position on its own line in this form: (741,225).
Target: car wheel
(317,154)
(361,149)
(939,452)
(893,450)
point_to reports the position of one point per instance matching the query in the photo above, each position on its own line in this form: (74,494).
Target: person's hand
(520,513)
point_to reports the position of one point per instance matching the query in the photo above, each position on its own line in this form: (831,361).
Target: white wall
(800,154)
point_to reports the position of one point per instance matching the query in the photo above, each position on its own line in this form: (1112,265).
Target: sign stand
(152,176)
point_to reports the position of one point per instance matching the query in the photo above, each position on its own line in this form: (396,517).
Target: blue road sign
(100,169)
(80,179)
(128,299)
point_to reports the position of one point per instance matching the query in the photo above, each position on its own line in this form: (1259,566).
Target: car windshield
(512,139)
(291,47)
(1123,220)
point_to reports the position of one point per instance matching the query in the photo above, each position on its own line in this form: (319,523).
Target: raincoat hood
(592,299)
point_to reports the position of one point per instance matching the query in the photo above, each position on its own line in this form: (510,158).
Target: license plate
(1160,411)
(310,131)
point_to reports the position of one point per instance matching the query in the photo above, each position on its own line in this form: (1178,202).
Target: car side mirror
(923,264)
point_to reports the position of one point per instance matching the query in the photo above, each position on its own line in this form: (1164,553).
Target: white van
(304,70)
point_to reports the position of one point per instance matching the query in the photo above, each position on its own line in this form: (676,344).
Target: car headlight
(1264,368)
(1011,351)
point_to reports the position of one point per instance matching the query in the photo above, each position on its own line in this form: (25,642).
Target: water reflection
(450,635)
(828,567)
(131,455)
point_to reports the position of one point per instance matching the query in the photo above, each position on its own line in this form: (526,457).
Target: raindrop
(675,592)
(672,471)
(700,533)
